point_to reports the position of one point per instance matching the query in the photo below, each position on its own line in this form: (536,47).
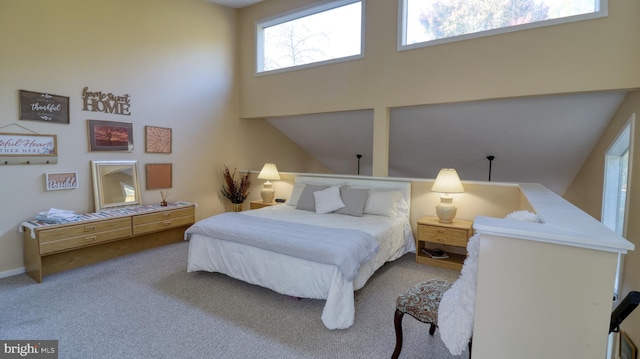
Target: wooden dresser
(94,237)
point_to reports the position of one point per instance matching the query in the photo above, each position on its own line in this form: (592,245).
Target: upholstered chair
(421,302)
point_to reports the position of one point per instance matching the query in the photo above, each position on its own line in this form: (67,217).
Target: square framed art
(157,139)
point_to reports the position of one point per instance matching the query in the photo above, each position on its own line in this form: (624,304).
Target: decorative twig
(164,195)
(235,190)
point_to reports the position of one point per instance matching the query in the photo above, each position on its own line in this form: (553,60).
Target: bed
(261,246)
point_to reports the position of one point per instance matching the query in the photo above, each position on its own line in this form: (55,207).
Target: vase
(236,207)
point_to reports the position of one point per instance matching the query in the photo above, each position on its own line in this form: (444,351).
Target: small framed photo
(60,180)
(627,349)
(110,135)
(157,139)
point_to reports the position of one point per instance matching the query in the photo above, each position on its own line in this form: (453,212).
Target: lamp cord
(359,157)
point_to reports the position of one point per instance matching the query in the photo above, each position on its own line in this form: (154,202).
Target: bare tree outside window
(325,35)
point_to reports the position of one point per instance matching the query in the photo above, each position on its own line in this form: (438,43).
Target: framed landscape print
(110,136)
(157,139)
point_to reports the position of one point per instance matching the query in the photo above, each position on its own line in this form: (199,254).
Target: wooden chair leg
(397,322)
(432,329)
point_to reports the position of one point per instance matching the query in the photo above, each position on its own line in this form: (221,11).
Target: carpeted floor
(147,306)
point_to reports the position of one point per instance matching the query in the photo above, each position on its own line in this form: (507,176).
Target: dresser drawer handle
(90,239)
(167,223)
(89,228)
(442,231)
(441,239)
(166,215)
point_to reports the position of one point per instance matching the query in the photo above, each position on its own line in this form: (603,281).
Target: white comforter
(302,278)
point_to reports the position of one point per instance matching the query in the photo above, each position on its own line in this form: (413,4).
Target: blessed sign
(35,106)
(98,101)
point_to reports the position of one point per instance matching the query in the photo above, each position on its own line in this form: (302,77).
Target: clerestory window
(315,35)
(430,22)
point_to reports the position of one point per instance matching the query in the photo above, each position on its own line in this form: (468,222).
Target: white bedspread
(302,278)
(345,248)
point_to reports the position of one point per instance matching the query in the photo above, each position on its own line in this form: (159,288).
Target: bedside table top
(434,221)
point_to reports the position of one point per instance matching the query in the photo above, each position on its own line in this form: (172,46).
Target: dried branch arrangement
(235,190)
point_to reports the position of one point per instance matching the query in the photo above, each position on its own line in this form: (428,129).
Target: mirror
(115,183)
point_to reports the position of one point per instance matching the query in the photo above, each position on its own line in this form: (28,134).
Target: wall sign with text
(61,180)
(36,106)
(25,148)
(98,101)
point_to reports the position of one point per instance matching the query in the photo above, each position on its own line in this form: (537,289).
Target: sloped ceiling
(542,139)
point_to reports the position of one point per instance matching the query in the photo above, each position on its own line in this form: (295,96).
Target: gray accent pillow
(354,200)
(306,201)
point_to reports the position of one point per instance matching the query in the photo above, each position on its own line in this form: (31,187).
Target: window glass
(319,34)
(425,21)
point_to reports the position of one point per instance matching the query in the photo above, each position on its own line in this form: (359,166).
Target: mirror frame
(98,190)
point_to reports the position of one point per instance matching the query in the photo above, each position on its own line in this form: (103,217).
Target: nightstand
(452,238)
(261,204)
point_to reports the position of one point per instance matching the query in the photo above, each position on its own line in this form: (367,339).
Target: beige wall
(590,55)
(586,193)
(176,59)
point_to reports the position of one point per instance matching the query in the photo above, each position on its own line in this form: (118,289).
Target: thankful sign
(98,101)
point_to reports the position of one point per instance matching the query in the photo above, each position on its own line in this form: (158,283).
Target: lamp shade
(269,172)
(447,181)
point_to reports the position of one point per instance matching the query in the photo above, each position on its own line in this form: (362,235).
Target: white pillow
(382,203)
(328,200)
(295,194)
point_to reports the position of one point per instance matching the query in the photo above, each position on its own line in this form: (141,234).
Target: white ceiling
(235,3)
(543,139)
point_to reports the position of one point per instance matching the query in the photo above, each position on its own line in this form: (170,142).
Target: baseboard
(11,273)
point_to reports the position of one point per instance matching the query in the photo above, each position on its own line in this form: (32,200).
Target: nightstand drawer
(442,235)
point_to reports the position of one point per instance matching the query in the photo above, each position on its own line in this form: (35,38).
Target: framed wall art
(36,106)
(60,180)
(159,175)
(157,139)
(27,148)
(110,135)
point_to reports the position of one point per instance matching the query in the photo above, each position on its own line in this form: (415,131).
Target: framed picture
(157,139)
(28,148)
(627,349)
(36,106)
(110,136)
(159,175)
(60,180)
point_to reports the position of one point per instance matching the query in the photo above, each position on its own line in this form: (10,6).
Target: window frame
(603,11)
(612,157)
(260,25)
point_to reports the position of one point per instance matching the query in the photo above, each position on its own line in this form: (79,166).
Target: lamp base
(446,210)
(267,193)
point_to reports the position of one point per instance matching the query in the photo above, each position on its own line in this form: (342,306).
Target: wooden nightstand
(261,204)
(453,236)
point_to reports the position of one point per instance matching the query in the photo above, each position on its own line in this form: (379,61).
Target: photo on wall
(110,136)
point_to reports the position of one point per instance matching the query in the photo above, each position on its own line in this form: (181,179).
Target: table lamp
(269,172)
(447,182)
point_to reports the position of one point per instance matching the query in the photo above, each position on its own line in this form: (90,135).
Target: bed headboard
(362,181)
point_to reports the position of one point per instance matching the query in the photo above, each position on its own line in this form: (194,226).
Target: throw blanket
(345,248)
